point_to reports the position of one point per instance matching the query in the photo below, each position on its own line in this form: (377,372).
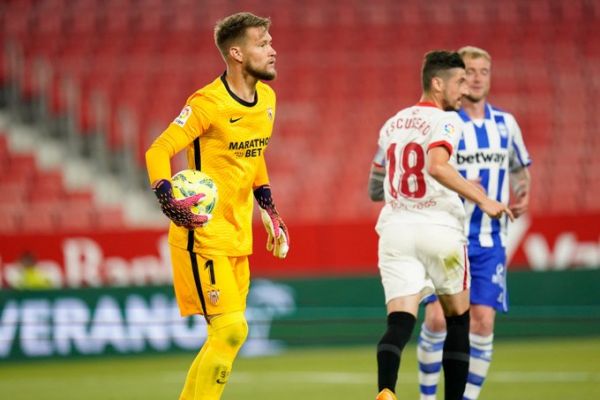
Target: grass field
(536,369)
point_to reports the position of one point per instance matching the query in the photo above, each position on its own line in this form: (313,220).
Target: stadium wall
(141,257)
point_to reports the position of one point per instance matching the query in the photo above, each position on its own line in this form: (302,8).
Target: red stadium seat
(10,217)
(13,193)
(343,69)
(4,150)
(76,217)
(109,218)
(38,218)
(20,167)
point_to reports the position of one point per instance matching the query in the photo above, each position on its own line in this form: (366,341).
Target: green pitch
(536,369)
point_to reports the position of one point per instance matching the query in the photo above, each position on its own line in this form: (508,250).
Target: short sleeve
(446,133)
(518,154)
(379,159)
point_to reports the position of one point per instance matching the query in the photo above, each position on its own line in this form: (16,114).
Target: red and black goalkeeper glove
(278,240)
(179,211)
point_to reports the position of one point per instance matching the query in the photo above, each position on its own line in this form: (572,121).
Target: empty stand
(37,200)
(344,68)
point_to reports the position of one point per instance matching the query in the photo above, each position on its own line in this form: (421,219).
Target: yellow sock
(189,387)
(226,335)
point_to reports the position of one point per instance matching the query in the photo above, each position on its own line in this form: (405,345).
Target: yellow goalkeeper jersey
(226,138)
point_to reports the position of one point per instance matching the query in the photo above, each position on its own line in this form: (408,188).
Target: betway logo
(567,252)
(480,157)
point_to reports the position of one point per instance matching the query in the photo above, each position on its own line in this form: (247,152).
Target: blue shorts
(488,277)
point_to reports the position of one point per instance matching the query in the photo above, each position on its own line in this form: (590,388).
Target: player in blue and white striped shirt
(492,155)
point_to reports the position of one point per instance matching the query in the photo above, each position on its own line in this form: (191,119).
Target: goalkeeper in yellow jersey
(225,128)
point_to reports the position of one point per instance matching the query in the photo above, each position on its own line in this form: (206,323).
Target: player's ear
(235,52)
(437,83)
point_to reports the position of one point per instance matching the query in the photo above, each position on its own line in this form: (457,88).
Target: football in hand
(190,182)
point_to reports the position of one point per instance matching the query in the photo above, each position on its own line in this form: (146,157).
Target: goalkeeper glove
(179,211)
(278,237)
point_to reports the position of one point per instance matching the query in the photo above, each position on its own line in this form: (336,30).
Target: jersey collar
(487,113)
(426,104)
(235,97)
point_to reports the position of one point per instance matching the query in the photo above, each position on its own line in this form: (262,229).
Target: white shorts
(419,258)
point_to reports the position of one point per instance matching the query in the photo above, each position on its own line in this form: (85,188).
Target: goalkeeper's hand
(179,211)
(278,240)
(278,237)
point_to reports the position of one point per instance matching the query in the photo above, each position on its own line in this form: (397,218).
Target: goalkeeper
(225,128)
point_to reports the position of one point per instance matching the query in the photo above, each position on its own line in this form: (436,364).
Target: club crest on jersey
(183,116)
(214,296)
(270,113)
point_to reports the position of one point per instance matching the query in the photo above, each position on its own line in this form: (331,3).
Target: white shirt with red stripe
(411,194)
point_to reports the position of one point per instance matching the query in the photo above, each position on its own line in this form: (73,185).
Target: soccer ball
(190,182)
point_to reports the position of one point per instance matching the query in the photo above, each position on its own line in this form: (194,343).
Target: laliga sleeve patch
(183,116)
(448,129)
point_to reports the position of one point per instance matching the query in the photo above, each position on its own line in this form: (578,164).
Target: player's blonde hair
(233,28)
(474,52)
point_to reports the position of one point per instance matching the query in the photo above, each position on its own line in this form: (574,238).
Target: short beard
(474,99)
(449,107)
(262,75)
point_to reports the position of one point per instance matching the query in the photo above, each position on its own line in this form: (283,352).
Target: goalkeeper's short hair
(233,28)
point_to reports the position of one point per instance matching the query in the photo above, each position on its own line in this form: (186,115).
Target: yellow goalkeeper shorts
(209,285)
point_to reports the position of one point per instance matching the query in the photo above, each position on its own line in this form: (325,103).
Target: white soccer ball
(190,182)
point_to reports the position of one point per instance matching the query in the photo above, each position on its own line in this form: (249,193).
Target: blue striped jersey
(489,150)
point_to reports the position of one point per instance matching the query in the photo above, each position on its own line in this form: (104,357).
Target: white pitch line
(361,378)
(540,376)
(342,378)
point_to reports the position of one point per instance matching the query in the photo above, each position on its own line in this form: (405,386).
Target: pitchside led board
(88,322)
(110,293)
(281,313)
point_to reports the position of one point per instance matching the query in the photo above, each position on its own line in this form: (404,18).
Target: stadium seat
(12,193)
(4,151)
(10,215)
(38,218)
(109,218)
(344,67)
(76,217)
(20,168)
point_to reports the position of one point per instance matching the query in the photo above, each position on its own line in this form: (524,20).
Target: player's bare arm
(520,181)
(376,177)
(477,184)
(444,173)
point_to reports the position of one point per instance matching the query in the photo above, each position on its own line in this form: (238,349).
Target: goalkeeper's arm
(158,163)
(278,236)
(179,211)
